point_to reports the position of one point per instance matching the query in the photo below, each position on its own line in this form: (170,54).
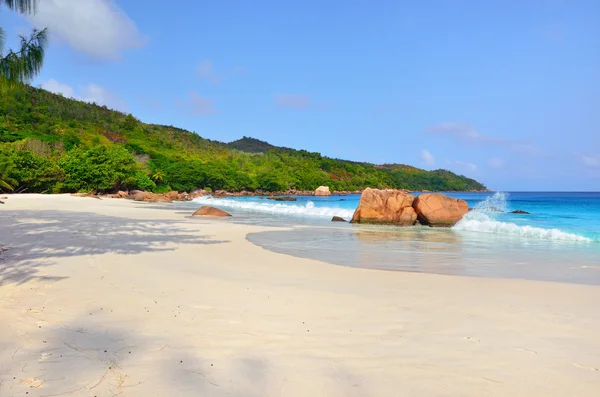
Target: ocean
(559,240)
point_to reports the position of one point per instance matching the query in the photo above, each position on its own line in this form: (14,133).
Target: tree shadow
(30,239)
(91,355)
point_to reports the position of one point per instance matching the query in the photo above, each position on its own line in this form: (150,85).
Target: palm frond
(2,38)
(22,6)
(5,185)
(25,64)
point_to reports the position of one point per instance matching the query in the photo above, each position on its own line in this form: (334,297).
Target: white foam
(278,208)
(481,219)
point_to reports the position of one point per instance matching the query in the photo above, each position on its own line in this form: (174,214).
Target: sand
(112,297)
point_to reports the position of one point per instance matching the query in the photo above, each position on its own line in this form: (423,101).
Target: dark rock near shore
(519,212)
(338,219)
(283,198)
(210,211)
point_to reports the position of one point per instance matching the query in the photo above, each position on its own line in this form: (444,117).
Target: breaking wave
(482,219)
(309,209)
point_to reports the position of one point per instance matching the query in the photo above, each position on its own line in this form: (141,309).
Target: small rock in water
(338,219)
(519,212)
(284,198)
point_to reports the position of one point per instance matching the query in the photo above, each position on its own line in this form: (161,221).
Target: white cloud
(58,88)
(427,157)
(206,71)
(468,133)
(464,131)
(199,105)
(591,161)
(293,101)
(495,163)
(91,93)
(98,28)
(467,165)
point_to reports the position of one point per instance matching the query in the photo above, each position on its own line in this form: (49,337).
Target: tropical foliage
(49,143)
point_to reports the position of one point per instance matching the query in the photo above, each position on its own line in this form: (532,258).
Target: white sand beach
(113,297)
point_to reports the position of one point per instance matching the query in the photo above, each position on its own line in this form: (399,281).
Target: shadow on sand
(30,239)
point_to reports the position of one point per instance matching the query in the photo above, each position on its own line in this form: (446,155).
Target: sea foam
(482,219)
(309,209)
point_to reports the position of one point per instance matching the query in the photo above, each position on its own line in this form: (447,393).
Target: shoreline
(103,296)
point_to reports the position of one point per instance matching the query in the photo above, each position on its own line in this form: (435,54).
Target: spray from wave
(482,219)
(278,208)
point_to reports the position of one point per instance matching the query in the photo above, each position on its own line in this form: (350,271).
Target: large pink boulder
(437,210)
(385,207)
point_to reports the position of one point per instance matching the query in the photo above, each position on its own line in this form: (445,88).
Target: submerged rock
(519,212)
(437,210)
(283,198)
(210,211)
(385,207)
(338,219)
(322,191)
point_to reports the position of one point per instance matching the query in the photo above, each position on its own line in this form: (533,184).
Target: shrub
(99,168)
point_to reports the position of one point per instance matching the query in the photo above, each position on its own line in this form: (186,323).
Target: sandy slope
(112,297)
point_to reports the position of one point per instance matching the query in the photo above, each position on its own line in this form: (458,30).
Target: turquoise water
(558,241)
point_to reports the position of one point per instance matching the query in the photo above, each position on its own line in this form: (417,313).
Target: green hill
(49,143)
(253,145)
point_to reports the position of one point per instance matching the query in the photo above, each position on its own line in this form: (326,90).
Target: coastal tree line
(49,143)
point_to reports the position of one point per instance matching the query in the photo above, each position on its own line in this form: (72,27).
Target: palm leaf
(25,64)
(5,185)
(22,6)
(2,38)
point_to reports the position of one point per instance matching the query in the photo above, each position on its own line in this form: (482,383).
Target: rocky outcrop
(210,211)
(322,191)
(437,210)
(338,219)
(400,208)
(385,207)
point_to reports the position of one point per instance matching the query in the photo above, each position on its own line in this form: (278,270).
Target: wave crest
(482,219)
(278,208)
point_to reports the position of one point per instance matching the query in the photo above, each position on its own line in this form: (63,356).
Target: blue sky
(507,92)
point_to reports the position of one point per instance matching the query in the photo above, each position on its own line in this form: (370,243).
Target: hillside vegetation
(49,143)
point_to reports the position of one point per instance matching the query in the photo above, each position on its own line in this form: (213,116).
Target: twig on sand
(492,380)
(163,348)
(100,381)
(13,356)
(194,372)
(137,384)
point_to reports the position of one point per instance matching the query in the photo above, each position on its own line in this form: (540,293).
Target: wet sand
(112,297)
